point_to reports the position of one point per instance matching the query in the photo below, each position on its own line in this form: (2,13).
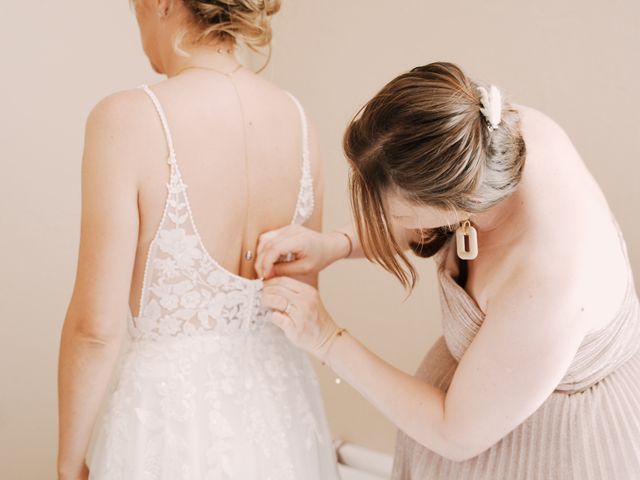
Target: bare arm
(403,237)
(525,345)
(314,250)
(531,332)
(96,316)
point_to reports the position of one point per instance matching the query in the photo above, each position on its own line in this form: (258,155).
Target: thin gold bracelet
(350,242)
(332,338)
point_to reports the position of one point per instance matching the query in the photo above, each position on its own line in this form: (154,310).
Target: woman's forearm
(85,367)
(414,406)
(341,247)
(354,250)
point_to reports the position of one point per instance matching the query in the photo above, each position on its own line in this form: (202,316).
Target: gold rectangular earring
(466,241)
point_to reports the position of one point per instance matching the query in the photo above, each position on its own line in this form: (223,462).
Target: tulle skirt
(238,406)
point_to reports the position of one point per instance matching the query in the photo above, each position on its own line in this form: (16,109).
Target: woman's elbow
(92,330)
(462,454)
(455,452)
(463,445)
(451,441)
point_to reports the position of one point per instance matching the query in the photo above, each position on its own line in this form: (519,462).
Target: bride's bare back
(206,122)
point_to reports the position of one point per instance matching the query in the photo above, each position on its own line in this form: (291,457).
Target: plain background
(577,60)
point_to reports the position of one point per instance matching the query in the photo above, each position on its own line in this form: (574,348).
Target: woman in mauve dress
(537,373)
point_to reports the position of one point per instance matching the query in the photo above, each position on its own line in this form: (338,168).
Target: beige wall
(576,60)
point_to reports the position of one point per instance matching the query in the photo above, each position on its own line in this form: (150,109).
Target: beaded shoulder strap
(305,202)
(163,119)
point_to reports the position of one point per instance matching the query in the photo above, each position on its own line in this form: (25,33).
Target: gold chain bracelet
(337,333)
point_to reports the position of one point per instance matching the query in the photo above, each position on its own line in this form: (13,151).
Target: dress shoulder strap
(163,119)
(305,133)
(305,202)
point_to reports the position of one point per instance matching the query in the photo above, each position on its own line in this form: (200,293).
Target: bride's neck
(220,57)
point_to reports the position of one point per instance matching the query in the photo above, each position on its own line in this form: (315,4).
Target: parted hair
(424,136)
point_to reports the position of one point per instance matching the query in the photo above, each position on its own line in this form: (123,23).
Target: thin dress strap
(163,119)
(305,201)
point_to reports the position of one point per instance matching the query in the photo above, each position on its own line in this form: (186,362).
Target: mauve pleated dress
(588,428)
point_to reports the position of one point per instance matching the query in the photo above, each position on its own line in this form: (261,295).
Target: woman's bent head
(421,152)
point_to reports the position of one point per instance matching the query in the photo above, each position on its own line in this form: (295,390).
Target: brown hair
(223,20)
(424,136)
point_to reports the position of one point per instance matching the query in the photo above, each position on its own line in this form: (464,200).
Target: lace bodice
(185,291)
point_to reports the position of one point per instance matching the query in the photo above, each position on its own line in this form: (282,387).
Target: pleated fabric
(588,428)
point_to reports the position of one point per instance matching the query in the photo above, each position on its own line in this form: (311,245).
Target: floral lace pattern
(195,407)
(208,387)
(185,291)
(305,204)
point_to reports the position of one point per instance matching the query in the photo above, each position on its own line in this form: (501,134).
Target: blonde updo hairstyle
(233,20)
(218,21)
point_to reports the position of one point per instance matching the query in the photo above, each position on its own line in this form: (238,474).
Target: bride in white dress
(179,179)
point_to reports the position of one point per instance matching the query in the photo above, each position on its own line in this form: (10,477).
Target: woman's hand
(299,312)
(310,251)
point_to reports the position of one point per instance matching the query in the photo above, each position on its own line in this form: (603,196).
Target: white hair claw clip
(491,106)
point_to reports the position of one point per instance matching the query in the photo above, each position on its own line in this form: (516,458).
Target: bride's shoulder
(113,128)
(119,110)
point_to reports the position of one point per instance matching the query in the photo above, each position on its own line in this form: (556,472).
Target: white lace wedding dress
(208,388)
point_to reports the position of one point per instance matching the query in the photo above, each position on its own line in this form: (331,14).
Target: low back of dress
(185,291)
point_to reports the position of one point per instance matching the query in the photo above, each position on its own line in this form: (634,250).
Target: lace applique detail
(185,291)
(305,203)
(256,393)
(304,207)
